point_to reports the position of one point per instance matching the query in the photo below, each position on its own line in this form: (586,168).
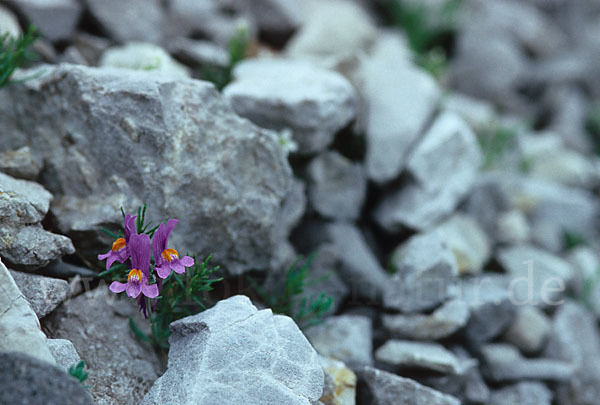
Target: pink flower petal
(117,287)
(134,289)
(150,291)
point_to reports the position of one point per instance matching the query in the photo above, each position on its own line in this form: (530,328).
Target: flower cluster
(147,260)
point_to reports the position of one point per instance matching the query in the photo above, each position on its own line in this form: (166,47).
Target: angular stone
(383,388)
(198,53)
(425,271)
(529,330)
(27,380)
(503,362)
(448,157)
(9,22)
(359,267)
(490,306)
(478,113)
(392,87)
(523,393)
(337,187)
(63,352)
(188,146)
(512,227)
(55,19)
(468,242)
(277,93)
(20,164)
(575,339)
(537,277)
(347,338)
(236,352)
(428,356)
(44,294)
(146,57)
(443,322)
(97,323)
(333,28)
(137,20)
(19,326)
(275,16)
(340,383)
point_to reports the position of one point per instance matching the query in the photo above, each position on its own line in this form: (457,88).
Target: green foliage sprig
(14,52)
(289,299)
(495,140)
(238,49)
(78,371)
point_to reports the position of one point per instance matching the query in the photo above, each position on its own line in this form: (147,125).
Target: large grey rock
(25,380)
(97,323)
(333,29)
(425,271)
(236,352)
(277,93)
(347,338)
(529,330)
(537,277)
(443,322)
(359,267)
(20,164)
(383,388)
(19,326)
(23,241)
(64,353)
(337,187)
(136,20)
(468,242)
(503,362)
(399,98)
(523,393)
(490,307)
(188,146)
(575,339)
(428,356)
(44,294)
(55,19)
(444,166)
(146,57)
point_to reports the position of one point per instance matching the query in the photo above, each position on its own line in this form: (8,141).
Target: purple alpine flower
(137,280)
(168,259)
(119,250)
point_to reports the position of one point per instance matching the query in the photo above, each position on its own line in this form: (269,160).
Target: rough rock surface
(19,326)
(44,294)
(425,271)
(429,356)
(277,93)
(347,338)
(23,241)
(383,388)
(340,383)
(139,20)
(443,322)
(64,353)
(337,187)
(193,158)
(55,19)
(529,330)
(121,368)
(523,393)
(25,380)
(444,167)
(392,87)
(19,164)
(236,352)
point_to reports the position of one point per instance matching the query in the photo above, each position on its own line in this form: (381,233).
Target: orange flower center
(118,244)
(170,254)
(135,275)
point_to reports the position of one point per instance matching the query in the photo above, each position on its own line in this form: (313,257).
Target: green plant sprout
(495,140)
(287,299)
(237,49)
(427,28)
(78,372)
(14,53)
